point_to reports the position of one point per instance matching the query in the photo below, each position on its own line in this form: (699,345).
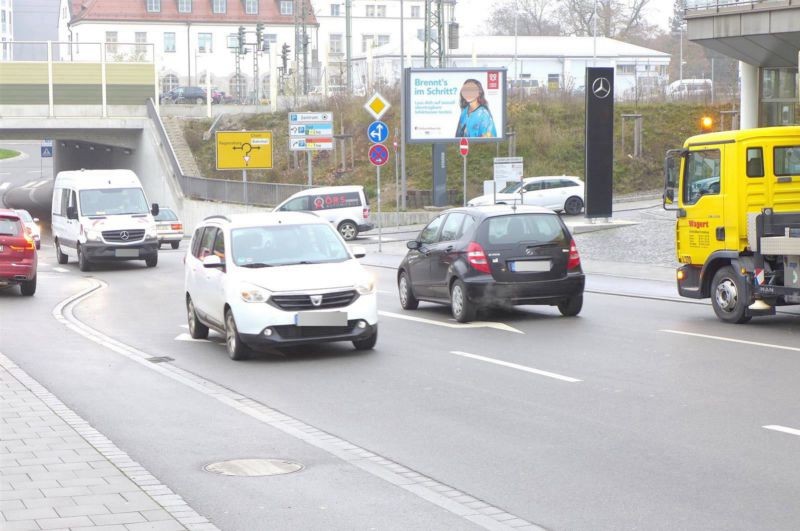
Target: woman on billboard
(476,119)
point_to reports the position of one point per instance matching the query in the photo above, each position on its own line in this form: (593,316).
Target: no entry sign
(463,146)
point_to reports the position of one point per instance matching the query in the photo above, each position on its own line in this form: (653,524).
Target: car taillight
(477,258)
(28,246)
(177,226)
(366,212)
(574,261)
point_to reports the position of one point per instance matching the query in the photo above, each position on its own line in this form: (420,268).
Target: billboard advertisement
(446,104)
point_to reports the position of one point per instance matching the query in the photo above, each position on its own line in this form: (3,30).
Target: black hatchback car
(494,256)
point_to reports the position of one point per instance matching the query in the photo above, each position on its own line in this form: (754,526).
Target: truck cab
(737,200)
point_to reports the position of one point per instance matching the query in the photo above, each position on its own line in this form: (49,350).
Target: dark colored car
(18,259)
(479,258)
(185,95)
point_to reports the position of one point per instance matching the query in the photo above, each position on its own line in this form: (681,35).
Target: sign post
(463,148)
(47,152)
(377,133)
(396,179)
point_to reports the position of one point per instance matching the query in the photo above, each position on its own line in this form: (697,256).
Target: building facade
(190,38)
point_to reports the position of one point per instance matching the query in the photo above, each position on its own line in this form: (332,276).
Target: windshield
(510,188)
(287,244)
(165,214)
(24,215)
(110,201)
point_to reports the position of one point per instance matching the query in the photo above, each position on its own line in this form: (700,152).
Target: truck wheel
(83,261)
(151,260)
(729,296)
(60,256)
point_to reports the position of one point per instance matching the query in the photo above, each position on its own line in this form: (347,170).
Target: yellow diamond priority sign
(377,106)
(244,150)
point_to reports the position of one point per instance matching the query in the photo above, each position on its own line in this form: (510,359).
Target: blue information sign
(47,152)
(377,132)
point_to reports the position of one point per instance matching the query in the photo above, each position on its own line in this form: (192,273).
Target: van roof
(98,178)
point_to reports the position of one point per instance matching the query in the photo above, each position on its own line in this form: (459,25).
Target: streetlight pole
(594,35)
(403,183)
(516,33)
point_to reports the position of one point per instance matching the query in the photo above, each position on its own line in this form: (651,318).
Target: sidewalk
(57,472)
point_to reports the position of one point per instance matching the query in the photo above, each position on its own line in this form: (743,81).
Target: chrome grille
(295,303)
(134,235)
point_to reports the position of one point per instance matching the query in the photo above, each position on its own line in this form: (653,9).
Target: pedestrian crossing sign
(47,152)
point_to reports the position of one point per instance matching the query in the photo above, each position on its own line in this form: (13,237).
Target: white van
(346,207)
(101,215)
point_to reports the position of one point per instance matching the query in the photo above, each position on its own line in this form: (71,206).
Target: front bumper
(485,291)
(109,251)
(289,335)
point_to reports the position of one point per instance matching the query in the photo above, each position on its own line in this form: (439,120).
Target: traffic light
(285,56)
(259,35)
(241,39)
(706,124)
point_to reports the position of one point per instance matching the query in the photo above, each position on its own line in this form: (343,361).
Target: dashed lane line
(732,340)
(3,186)
(516,366)
(442,495)
(783,429)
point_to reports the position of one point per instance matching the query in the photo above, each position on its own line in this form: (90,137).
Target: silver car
(168,228)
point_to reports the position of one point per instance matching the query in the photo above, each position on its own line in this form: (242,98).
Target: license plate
(126,253)
(529,266)
(321,319)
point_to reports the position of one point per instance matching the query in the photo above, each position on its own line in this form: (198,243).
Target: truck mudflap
(689,282)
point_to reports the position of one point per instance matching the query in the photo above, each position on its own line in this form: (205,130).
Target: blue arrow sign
(377,132)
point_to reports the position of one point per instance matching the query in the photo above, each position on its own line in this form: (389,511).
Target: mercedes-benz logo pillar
(599,159)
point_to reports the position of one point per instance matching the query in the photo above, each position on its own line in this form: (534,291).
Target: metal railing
(221,190)
(695,6)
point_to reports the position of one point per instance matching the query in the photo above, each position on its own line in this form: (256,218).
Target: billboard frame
(453,139)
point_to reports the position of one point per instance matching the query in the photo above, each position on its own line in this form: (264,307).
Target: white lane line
(40,183)
(61,270)
(516,366)
(474,324)
(3,186)
(784,429)
(731,340)
(29,184)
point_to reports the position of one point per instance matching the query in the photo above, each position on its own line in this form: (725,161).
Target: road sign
(378,155)
(377,106)
(47,148)
(463,147)
(244,150)
(310,131)
(377,132)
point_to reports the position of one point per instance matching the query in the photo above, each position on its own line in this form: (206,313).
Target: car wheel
(571,306)
(729,296)
(38,244)
(199,101)
(61,258)
(348,230)
(152,260)
(28,287)
(407,299)
(233,343)
(196,329)
(83,261)
(368,343)
(573,206)
(175,245)
(463,310)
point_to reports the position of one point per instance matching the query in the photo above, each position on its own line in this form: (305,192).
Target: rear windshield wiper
(257,265)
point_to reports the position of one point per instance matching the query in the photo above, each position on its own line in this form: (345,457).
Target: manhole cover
(254,467)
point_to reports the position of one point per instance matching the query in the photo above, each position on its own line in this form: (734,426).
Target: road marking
(4,186)
(474,324)
(440,494)
(516,366)
(61,270)
(40,183)
(731,340)
(784,429)
(187,337)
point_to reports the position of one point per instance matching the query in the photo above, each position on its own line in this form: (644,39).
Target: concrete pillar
(749,103)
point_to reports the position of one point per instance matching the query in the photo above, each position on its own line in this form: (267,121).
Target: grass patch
(8,153)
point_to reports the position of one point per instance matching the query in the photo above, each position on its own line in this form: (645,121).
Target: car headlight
(252,293)
(93,235)
(366,286)
(150,232)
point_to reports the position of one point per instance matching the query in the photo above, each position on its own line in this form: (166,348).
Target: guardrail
(694,6)
(220,190)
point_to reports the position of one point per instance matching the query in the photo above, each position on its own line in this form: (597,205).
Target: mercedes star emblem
(601,88)
(124,235)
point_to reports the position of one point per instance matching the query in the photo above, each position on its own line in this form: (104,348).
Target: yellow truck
(737,235)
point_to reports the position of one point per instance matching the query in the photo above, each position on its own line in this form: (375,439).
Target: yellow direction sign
(244,150)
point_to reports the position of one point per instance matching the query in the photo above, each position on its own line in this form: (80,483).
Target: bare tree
(617,19)
(533,17)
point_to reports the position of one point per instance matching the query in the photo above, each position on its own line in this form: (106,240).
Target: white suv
(277,279)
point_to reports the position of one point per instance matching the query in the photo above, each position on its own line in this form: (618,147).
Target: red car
(17,253)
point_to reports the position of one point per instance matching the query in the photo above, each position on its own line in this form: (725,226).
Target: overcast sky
(472,14)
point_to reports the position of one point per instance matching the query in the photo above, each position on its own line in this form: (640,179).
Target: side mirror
(72,212)
(413,245)
(359,251)
(155,210)
(212,261)
(669,196)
